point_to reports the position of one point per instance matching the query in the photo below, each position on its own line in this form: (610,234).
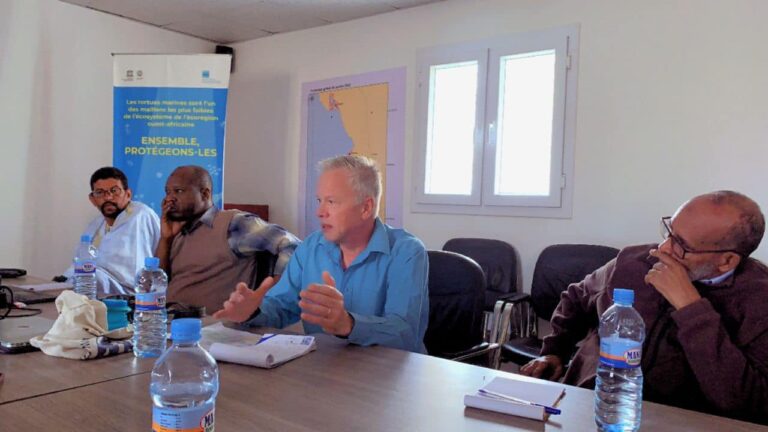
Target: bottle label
(196,419)
(150,301)
(85,267)
(620,353)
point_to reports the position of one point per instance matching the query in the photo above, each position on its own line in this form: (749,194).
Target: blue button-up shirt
(717,279)
(385,288)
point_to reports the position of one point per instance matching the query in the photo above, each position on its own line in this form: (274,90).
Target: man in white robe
(124,234)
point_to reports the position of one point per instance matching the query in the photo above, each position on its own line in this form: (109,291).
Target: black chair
(265,266)
(265,261)
(557,267)
(499,261)
(456,293)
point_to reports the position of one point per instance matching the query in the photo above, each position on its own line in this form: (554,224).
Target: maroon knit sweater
(709,356)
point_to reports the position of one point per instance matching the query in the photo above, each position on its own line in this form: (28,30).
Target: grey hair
(364,175)
(745,235)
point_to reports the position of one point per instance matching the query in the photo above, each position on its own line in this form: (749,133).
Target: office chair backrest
(456,290)
(561,265)
(265,266)
(499,262)
(265,261)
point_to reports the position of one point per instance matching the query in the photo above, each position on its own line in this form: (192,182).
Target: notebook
(47,286)
(535,397)
(32,297)
(264,351)
(15,333)
(37,292)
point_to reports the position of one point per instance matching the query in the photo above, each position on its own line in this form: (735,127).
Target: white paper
(46,286)
(539,392)
(273,352)
(221,334)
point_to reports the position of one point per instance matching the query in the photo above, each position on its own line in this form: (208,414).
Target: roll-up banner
(169,111)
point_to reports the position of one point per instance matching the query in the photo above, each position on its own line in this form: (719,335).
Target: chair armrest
(522,350)
(473,352)
(514,297)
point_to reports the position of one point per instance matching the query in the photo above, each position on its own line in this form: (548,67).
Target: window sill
(563,212)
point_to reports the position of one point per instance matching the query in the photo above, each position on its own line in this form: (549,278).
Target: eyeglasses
(114,191)
(679,247)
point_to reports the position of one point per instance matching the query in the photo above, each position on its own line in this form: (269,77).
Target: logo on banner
(206,77)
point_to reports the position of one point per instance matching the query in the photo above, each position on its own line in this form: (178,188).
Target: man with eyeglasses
(705,307)
(124,234)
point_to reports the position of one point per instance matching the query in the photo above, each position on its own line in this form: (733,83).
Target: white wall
(56,120)
(671,103)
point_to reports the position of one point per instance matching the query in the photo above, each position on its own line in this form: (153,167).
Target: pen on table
(493,394)
(265,338)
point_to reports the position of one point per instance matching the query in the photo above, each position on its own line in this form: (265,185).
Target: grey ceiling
(229,21)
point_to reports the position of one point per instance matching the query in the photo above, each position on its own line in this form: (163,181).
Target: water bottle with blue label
(619,384)
(150,317)
(85,268)
(184,383)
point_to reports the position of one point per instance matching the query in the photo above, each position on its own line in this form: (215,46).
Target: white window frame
(482,201)
(455,55)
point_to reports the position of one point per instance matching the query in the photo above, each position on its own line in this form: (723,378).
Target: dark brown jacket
(709,356)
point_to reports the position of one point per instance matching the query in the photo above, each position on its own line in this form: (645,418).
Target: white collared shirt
(122,247)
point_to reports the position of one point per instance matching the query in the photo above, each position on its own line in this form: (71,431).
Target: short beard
(177,217)
(704,271)
(182,215)
(115,214)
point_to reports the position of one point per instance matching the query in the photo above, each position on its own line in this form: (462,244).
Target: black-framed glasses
(679,246)
(114,191)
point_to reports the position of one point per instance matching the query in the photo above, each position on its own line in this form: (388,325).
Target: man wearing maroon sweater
(705,307)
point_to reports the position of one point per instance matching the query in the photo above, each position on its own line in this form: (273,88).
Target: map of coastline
(347,120)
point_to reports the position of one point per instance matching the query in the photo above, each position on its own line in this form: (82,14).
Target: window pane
(451,128)
(524,135)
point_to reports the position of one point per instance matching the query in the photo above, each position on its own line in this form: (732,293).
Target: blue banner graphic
(163,122)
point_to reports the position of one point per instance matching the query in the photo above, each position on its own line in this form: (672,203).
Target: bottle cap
(152,262)
(623,296)
(85,238)
(185,330)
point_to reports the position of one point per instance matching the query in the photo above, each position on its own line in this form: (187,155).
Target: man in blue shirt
(356,278)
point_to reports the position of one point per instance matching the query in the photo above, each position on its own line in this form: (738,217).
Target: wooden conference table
(339,387)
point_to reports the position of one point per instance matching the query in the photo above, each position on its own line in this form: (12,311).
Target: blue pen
(265,338)
(495,395)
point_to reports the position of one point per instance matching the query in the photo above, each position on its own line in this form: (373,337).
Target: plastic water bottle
(619,385)
(184,383)
(150,318)
(85,268)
